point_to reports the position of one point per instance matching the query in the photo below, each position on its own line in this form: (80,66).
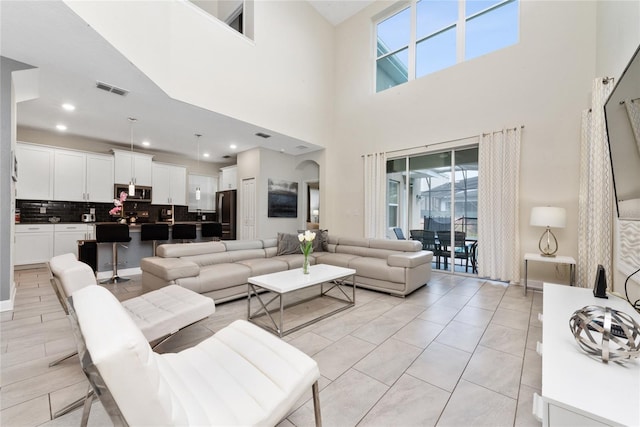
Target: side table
(555,260)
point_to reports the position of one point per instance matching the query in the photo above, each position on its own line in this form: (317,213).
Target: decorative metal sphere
(606,333)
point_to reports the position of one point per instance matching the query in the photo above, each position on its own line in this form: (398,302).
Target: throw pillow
(288,244)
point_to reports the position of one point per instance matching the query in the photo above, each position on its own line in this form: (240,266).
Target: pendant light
(132,185)
(198,145)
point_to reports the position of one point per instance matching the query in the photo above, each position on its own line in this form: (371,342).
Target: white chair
(242,375)
(158,314)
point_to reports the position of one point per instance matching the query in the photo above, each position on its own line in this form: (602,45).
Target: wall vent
(263,135)
(110,88)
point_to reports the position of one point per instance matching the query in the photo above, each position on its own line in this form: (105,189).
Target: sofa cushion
(377,268)
(261,266)
(239,245)
(340,260)
(295,260)
(395,245)
(218,276)
(410,259)
(288,244)
(177,250)
(169,268)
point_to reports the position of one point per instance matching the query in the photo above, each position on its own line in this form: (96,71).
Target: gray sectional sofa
(221,269)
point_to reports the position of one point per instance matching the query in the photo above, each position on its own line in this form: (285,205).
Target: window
(393,200)
(441,34)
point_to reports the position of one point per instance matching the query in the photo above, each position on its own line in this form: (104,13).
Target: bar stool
(183,232)
(154,232)
(114,234)
(212,229)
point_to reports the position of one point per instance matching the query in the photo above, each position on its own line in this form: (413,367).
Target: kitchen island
(130,254)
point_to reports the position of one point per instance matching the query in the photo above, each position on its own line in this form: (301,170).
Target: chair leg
(86,410)
(316,404)
(62,359)
(114,276)
(75,404)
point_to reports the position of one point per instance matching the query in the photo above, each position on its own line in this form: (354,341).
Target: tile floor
(458,352)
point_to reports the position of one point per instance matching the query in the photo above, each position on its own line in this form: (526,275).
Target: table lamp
(547,216)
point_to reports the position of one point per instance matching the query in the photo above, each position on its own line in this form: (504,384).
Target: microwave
(142,194)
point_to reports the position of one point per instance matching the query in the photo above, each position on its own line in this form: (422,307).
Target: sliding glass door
(434,198)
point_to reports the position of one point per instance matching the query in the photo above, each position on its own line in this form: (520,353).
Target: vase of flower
(118,204)
(306,246)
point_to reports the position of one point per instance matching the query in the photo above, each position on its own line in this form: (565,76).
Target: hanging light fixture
(198,145)
(132,185)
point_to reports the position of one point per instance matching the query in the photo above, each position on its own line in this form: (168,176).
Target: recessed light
(205,154)
(68,107)
(233,146)
(61,127)
(146,143)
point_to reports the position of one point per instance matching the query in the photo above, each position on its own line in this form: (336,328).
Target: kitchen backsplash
(72,211)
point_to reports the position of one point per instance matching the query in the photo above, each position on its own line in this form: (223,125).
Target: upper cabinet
(85,177)
(35,172)
(139,168)
(229,178)
(169,184)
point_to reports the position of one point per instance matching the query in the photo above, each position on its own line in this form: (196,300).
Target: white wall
(543,82)
(618,37)
(264,164)
(197,59)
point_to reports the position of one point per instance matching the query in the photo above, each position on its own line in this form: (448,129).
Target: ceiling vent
(302,147)
(226,156)
(110,88)
(263,135)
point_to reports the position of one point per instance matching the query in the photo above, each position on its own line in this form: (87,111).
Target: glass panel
(474,6)
(464,249)
(436,53)
(393,33)
(392,203)
(433,16)
(491,31)
(392,70)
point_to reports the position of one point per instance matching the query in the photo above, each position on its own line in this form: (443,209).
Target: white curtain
(498,205)
(595,203)
(375,178)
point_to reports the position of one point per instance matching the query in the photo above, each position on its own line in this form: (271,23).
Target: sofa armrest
(169,268)
(410,259)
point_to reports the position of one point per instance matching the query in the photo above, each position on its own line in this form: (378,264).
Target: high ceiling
(72,57)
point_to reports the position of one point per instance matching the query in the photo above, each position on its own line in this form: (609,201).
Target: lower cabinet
(37,243)
(33,243)
(66,236)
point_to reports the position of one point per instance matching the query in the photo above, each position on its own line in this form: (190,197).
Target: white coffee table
(281,283)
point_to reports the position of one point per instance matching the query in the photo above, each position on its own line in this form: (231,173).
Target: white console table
(577,389)
(555,260)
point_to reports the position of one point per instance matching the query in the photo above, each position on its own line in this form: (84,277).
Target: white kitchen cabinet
(208,187)
(66,236)
(229,178)
(33,243)
(169,185)
(80,176)
(140,168)
(35,172)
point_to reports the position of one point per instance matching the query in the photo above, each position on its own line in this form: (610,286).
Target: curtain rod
(437,143)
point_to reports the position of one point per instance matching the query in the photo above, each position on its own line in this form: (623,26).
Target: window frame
(460,25)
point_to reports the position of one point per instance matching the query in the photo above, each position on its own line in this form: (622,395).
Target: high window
(430,35)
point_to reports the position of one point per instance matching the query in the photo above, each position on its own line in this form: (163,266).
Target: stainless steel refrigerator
(226,213)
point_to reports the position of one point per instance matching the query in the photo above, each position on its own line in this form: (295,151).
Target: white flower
(301,237)
(308,236)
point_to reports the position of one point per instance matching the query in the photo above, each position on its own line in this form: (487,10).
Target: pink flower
(115,211)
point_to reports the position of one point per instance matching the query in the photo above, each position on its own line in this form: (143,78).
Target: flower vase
(305,265)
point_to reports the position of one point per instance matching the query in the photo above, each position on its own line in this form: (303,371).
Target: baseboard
(7,305)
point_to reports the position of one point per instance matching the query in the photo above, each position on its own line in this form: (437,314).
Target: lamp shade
(315,212)
(547,216)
